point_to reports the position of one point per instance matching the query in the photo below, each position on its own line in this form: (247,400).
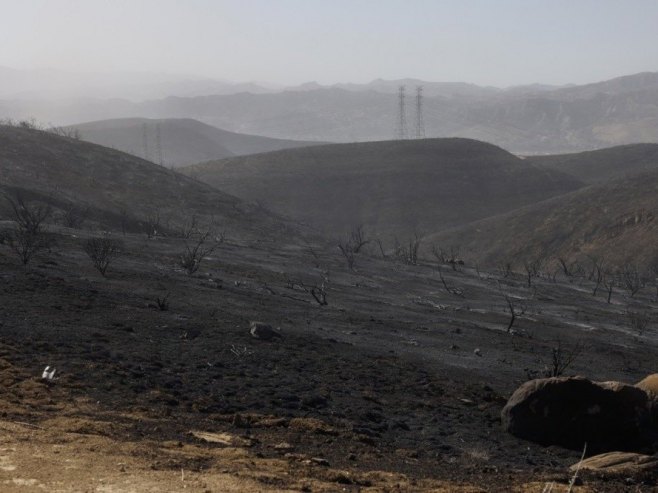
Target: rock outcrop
(572,411)
(649,384)
(264,332)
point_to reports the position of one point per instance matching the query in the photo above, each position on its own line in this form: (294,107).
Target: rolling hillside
(392,187)
(176,142)
(615,220)
(604,164)
(155,366)
(117,187)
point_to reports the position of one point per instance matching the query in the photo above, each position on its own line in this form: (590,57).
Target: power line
(401,131)
(420,120)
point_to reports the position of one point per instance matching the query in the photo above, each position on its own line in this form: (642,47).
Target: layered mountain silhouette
(534,119)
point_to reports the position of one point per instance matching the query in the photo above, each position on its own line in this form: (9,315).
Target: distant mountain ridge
(531,119)
(58,84)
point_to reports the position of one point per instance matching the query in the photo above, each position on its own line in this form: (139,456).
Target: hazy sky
(496,42)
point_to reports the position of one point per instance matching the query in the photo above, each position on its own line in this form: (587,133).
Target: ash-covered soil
(385,377)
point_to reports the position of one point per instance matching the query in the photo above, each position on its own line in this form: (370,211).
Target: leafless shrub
(562,358)
(449,257)
(33,124)
(30,124)
(578,269)
(358,238)
(552,275)
(408,252)
(652,268)
(25,244)
(533,268)
(152,223)
(317,290)
(630,278)
(638,320)
(190,228)
(74,217)
(567,267)
(310,248)
(205,244)
(353,244)
(71,133)
(450,289)
(28,237)
(163,303)
(609,284)
(28,216)
(597,272)
(102,251)
(514,312)
(319,293)
(347,250)
(124,218)
(382,251)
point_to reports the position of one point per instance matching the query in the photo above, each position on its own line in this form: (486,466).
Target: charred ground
(384,377)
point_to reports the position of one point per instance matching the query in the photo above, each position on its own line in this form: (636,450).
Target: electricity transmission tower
(401,132)
(145,142)
(158,144)
(420,121)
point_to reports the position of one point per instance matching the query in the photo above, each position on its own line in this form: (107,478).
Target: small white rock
(48,374)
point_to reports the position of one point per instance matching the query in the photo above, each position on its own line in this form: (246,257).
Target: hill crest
(117,186)
(392,187)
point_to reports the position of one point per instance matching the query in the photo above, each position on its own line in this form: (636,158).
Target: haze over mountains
(59,84)
(51,83)
(528,119)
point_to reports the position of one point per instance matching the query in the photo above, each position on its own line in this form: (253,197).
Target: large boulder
(572,411)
